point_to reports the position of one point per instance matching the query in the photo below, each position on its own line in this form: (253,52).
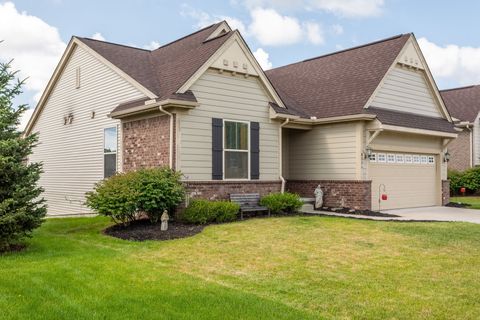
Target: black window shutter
(254,151)
(217,149)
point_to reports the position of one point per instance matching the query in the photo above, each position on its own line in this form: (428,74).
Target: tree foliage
(21,207)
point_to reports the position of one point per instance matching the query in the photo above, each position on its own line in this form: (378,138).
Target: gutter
(280,160)
(314,120)
(151,105)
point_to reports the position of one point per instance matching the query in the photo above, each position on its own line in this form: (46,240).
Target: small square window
(416,159)
(408,158)
(382,157)
(424,159)
(390,158)
(373,157)
(431,159)
(400,158)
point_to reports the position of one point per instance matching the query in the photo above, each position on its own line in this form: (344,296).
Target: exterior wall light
(368,153)
(446,157)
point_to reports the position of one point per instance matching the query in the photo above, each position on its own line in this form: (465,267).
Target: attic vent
(77,78)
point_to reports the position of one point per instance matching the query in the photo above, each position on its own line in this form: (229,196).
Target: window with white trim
(110,142)
(431,159)
(236,150)
(390,158)
(400,158)
(382,157)
(408,158)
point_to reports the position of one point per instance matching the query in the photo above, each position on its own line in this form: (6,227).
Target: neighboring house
(464,107)
(351,122)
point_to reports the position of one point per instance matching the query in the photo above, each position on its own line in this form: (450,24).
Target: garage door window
(431,159)
(399,158)
(408,158)
(382,158)
(416,159)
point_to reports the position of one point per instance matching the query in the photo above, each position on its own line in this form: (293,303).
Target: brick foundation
(445,192)
(337,193)
(146,143)
(221,190)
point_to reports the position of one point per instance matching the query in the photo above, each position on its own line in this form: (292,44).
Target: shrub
(469,179)
(202,211)
(115,197)
(159,189)
(282,202)
(148,190)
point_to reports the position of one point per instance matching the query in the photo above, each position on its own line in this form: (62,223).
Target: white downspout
(170,160)
(280,160)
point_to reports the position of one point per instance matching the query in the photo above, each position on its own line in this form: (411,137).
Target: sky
(35,33)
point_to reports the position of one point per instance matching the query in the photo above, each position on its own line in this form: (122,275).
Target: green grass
(474,202)
(279,268)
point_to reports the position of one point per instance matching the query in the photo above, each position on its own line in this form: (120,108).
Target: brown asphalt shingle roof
(463,103)
(164,70)
(336,84)
(411,120)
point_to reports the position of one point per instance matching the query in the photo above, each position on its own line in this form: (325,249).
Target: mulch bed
(359,212)
(13,248)
(458,205)
(142,230)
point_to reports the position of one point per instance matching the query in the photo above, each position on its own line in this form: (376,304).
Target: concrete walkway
(415,214)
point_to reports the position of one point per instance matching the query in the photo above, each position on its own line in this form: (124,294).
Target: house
(362,123)
(464,106)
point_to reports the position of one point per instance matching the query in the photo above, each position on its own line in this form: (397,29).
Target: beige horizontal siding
(72,154)
(406,90)
(227,97)
(326,152)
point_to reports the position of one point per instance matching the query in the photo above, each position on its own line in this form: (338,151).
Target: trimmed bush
(115,197)
(158,190)
(469,179)
(147,190)
(282,202)
(201,211)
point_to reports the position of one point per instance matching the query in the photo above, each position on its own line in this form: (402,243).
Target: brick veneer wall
(459,150)
(146,143)
(221,190)
(445,192)
(336,193)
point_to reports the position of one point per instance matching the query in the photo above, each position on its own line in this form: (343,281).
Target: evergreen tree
(21,207)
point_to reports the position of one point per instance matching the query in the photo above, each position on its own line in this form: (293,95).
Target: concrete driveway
(437,214)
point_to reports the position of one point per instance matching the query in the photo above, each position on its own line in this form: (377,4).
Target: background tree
(21,207)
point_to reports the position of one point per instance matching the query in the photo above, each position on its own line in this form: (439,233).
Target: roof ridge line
(186,36)
(113,43)
(345,50)
(460,88)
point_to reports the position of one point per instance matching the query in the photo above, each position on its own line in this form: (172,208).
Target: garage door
(410,180)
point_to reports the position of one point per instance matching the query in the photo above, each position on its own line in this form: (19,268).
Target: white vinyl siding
(406,90)
(72,154)
(327,152)
(227,97)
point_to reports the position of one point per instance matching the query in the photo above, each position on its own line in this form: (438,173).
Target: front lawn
(474,202)
(278,268)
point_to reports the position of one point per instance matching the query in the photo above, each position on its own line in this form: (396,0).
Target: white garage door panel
(407,185)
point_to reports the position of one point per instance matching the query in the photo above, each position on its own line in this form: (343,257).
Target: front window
(236,150)
(109,152)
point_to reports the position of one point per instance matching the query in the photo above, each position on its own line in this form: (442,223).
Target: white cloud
(272,29)
(35,46)
(314,33)
(344,8)
(152,45)
(337,29)
(205,19)
(98,36)
(350,8)
(262,58)
(452,62)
